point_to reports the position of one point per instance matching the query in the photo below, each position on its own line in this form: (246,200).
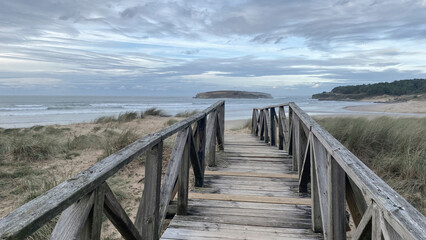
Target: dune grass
(186,114)
(154,112)
(393,148)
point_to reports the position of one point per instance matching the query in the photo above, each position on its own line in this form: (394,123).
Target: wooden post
(290,137)
(272,127)
(222,126)
(253,119)
(316,208)
(296,143)
(301,145)
(336,200)
(147,218)
(261,125)
(200,142)
(280,129)
(183,181)
(211,139)
(93,226)
(267,124)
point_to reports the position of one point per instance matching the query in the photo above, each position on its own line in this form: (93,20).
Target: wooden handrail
(338,178)
(31,216)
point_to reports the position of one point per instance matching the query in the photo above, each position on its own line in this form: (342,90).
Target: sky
(179,48)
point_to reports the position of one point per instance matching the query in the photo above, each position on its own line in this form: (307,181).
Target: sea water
(27,111)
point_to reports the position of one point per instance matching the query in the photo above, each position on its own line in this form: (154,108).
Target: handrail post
(280,128)
(183,181)
(200,142)
(253,122)
(148,217)
(272,127)
(336,200)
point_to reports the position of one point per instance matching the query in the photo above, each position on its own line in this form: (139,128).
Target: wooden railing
(84,198)
(338,179)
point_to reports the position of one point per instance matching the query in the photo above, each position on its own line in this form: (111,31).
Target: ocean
(27,111)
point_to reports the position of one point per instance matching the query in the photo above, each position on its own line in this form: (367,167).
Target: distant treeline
(357,92)
(396,88)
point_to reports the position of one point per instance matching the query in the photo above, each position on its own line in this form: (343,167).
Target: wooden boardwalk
(255,191)
(252,193)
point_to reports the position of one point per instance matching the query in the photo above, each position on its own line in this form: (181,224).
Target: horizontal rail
(34,214)
(273,106)
(338,178)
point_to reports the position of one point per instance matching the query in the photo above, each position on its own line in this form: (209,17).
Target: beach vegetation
(154,112)
(127,116)
(395,149)
(187,113)
(171,121)
(105,119)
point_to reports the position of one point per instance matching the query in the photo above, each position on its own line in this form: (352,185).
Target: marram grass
(394,148)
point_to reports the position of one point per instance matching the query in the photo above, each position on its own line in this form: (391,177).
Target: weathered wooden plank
(219,135)
(95,219)
(261,126)
(296,142)
(200,142)
(302,209)
(148,215)
(250,221)
(119,217)
(336,201)
(183,223)
(305,173)
(355,200)
(320,156)
(248,174)
(183,180)
(250,198)
(221,124)
(316,206)
(363,228)
(211,139)
(272,118)
(195,163)
(267,123)
(171,174)
(280,129)
(72,220)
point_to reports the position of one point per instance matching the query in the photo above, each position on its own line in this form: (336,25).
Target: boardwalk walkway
(251,194)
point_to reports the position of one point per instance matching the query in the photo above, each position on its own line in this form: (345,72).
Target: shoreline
(408,107)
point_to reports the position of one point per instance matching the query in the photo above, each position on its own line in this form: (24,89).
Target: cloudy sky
(128,47)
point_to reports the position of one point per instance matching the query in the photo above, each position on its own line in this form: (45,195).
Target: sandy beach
(400,107)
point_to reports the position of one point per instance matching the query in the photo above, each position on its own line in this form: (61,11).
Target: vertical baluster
(147,218)
(336,200)
(183,181)
(272,126)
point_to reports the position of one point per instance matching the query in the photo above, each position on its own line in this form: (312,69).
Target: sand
(418,107)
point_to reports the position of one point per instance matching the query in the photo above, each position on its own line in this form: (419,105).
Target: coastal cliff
(233,94)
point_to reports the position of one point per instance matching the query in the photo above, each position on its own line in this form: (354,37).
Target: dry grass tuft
(394,148)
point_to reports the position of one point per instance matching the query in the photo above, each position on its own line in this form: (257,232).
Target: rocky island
(233,94)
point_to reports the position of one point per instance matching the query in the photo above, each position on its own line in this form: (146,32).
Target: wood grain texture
(148,215)
(72,220)
(251,174)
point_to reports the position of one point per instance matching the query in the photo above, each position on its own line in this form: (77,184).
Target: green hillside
(396,88)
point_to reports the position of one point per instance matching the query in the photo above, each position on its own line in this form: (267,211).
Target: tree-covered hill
(396,88)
